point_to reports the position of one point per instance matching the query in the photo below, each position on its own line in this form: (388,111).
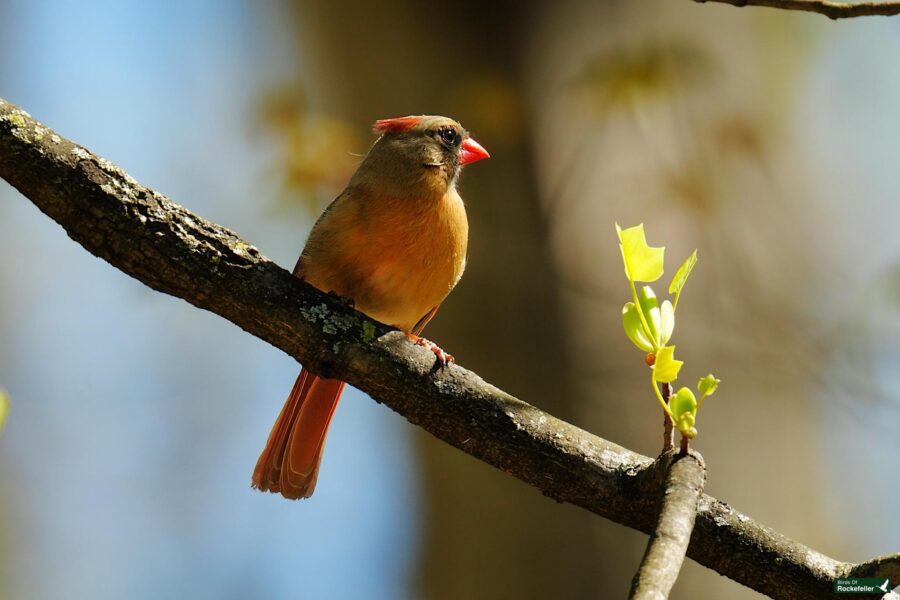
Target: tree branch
(832,10)
(685,476)
(170,249)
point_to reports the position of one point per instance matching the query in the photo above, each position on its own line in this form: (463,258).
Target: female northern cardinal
(394,242)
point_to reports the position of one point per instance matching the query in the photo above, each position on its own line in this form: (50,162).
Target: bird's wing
(297,267)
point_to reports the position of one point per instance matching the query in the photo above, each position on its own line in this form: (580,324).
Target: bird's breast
(397,259)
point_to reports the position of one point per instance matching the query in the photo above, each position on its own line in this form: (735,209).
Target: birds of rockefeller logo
(867,586)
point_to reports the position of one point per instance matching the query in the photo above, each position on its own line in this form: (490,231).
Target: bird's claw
(443,358)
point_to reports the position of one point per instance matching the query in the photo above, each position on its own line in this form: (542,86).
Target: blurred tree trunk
(486,534)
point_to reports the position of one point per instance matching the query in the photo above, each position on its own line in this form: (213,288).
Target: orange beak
(471,151)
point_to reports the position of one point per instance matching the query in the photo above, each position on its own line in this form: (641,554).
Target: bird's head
(421,149)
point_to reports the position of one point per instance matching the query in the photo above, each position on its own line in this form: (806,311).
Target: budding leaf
(681,276)
(686,426)
(666,322)
(642,263)
(683,401)
(666,368)
(650,308)
(660,318)
(683,406)
(633,328)
(708,385)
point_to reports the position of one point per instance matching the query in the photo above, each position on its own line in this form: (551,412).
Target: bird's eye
(449,136)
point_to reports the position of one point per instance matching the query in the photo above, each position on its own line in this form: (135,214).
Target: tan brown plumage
(395,243)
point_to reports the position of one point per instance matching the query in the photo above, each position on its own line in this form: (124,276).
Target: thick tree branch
(832,10)
(684,481)
(174,251)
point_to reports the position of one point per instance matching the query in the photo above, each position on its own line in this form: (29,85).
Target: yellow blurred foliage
(614,80)
(313,157)
(4,408)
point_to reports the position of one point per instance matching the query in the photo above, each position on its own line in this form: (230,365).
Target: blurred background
(766,139)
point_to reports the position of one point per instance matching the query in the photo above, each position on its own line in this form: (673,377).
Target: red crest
(396,124)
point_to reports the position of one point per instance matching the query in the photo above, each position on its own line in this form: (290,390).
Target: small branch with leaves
(650,325)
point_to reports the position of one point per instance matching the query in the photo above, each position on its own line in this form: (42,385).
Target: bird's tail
(289,463)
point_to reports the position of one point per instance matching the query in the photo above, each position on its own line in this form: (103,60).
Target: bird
(393,244)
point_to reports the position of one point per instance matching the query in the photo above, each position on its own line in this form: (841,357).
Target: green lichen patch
(317,313)
(332,323)
(17,120)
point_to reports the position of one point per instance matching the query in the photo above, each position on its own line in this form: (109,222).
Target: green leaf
(708,385)
(642,263)
(681,276)
(633,328)
(4,408)
(666,368)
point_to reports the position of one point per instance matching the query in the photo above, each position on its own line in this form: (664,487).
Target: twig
(162,244)
(685,476)
(832,10)
(668,425)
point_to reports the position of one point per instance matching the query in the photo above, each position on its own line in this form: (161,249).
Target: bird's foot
(443,359)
